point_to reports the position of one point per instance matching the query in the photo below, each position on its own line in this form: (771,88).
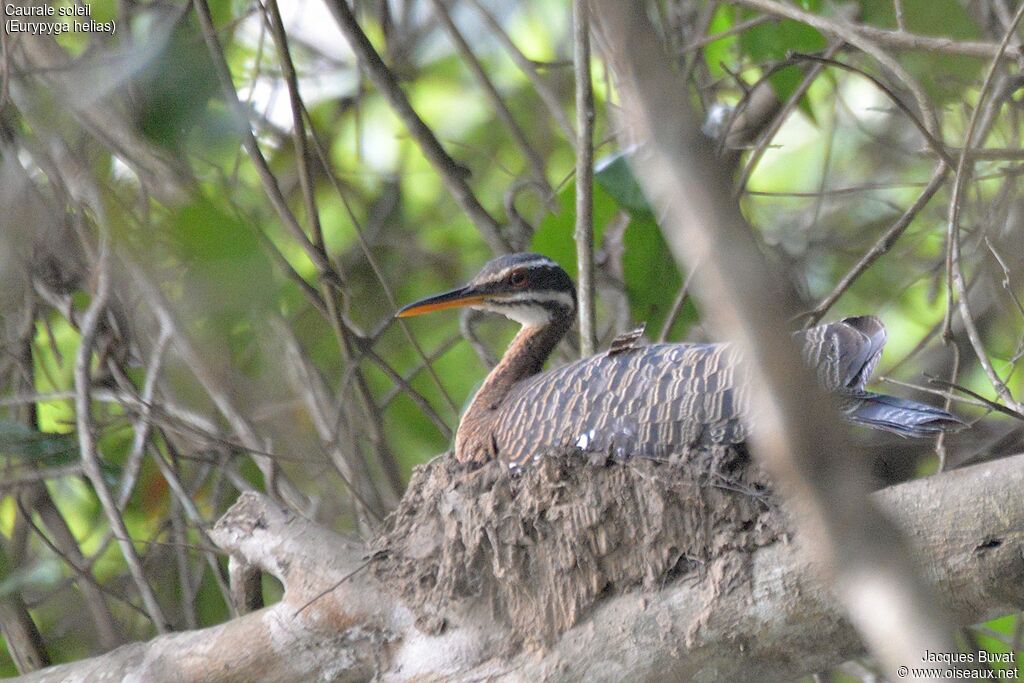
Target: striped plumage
(634,400)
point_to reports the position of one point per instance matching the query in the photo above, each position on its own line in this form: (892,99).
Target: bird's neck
(524,358)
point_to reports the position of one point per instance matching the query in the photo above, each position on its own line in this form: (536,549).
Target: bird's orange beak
(457,298)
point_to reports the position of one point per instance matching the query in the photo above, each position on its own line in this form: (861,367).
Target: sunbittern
(635,400)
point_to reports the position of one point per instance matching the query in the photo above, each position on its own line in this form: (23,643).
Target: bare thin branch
(956,292)
(87,442)
(584,234)
(528,67)
(133,464)
(270,184)
(452,174)
(899,40)
(491,92)
(882,245)
(860,40)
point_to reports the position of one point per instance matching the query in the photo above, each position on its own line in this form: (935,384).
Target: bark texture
(338,622)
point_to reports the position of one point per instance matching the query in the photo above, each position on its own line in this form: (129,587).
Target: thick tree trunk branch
(337,623)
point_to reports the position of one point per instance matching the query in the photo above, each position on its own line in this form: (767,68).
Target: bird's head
(528,288)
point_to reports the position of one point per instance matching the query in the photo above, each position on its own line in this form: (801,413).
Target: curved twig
(955,290)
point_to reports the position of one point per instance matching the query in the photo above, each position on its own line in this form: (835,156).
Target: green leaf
(717,53)
(17,440)
(652,279)
(228,278)
(46,449)
(172,90)
(554,236)
(927,17)
(943,78)
(616,177)
(42,574)
(772,42)
(223,256)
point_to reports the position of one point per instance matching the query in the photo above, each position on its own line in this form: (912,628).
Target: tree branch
(452,174)
(967,530)
(899,40)
(584,232)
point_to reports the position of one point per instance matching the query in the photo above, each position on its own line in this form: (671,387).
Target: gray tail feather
(898,415)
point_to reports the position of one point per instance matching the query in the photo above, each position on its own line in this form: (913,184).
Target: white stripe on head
(562,298)
(539,262)
(531,311)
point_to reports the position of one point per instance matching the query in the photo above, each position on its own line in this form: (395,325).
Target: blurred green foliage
(213,255)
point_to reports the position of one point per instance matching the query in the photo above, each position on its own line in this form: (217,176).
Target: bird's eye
(517,278)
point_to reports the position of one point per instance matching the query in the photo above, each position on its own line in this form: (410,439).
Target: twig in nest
(340,581)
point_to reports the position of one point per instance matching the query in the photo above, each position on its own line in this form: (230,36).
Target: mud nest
(544,545)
